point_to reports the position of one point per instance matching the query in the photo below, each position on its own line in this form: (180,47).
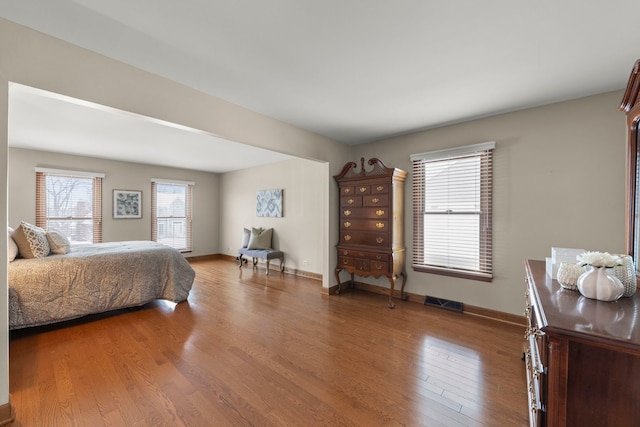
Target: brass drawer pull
(347,237)
(379,239)
(347,212)
(380,225)
(375,200)
(347,190)
(345,252)
(379,212)
(347,224)
(346,261)
(363,189)
(380,188)
(350,201)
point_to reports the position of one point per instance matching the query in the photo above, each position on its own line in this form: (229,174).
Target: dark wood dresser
(582,356)
(371,223)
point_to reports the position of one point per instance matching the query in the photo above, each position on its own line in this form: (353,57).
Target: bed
(94,279)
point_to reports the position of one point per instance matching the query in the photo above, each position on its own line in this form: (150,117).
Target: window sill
(454,273)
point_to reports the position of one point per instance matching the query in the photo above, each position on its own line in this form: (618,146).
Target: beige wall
(559,180)
(121,176)
(40,61)
(298,233)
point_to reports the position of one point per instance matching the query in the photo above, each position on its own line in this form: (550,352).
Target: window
(171,213)
(70,202)
(452,198)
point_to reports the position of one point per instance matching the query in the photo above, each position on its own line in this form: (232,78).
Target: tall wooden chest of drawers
(371,223)
(582,356)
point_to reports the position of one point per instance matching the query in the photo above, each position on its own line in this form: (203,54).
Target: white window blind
(171,213)
(452,210)
(70,202)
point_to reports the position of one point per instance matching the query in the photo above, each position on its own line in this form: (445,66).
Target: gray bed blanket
(94,279)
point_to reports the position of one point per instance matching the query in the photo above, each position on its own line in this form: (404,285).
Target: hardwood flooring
(254,350)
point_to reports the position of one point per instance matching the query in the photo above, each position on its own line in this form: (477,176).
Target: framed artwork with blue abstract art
(269,203)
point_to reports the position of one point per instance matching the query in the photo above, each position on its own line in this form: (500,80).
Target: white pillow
(246,235)
(12,248)
(58,242)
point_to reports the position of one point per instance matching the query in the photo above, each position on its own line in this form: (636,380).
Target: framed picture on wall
(269,203)
(127,204)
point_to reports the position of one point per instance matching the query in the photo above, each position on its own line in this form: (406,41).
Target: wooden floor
(252,350)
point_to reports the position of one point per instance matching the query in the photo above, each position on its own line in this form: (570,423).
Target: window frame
(188,210)
(41,197)
(630,105)
(484,152)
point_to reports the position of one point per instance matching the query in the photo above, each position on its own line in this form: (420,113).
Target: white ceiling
(41,120)
(361,70)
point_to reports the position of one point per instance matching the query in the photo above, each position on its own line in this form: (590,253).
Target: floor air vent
(443,303)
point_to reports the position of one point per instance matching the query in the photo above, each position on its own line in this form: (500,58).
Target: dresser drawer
(363,189)
(350,202)
(355,253)
(534,398)
(365,264)
(345,261)
(378,268)
(371,213)
(364,224)
(365,238)
(376,200)
(379,188)
(347,191)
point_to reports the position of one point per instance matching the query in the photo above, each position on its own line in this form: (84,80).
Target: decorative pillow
(58,242)
(246,235)
(260,239)
(31,240)
(12,248)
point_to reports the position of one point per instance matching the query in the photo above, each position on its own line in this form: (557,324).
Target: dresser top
(378,169)
(567,312)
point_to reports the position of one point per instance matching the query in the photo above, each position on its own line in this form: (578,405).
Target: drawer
(351,202)
(379,188)
(377,268)
(533,393)
(361,264)
(380,212)
(365,238)
(364,224)
(375,256)
(344,261)
(347,191)
(363,189)
(537,367)
(376,200)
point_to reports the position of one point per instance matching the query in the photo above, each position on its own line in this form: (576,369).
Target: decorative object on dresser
(598,282)
(619,268)
(371,224)
(582,355)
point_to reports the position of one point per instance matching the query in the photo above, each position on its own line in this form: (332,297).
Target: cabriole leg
(392,283)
